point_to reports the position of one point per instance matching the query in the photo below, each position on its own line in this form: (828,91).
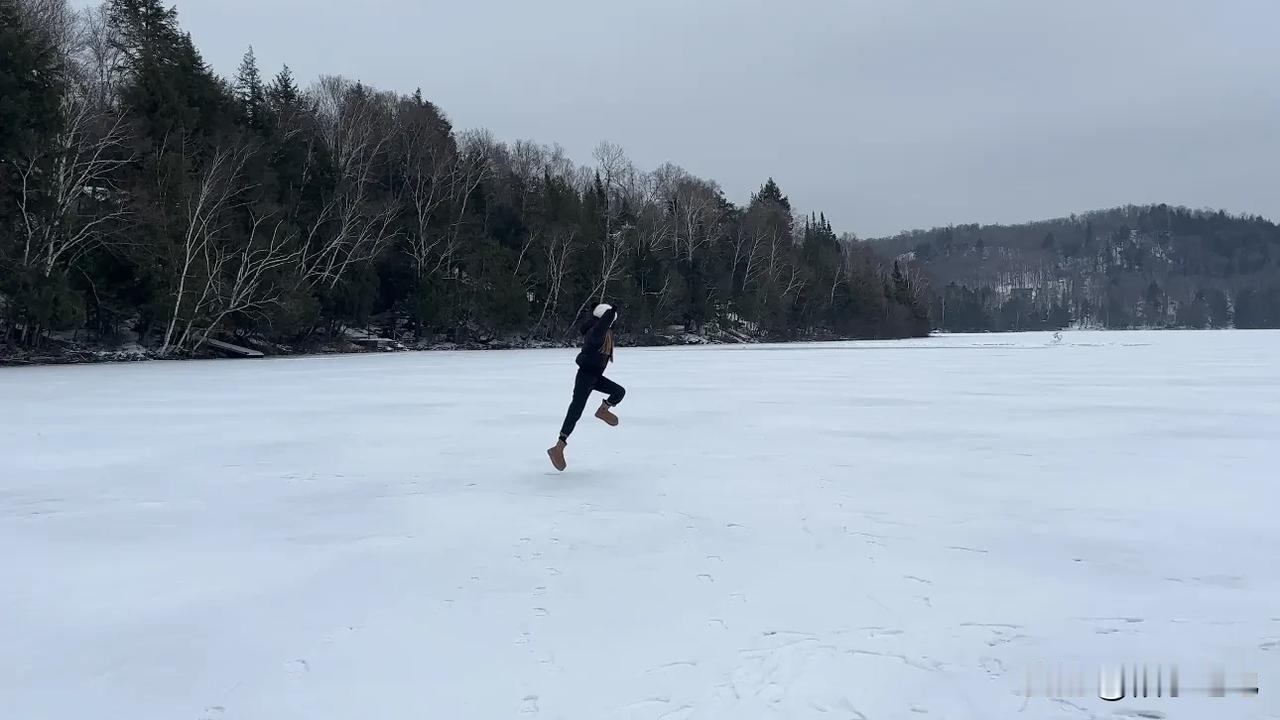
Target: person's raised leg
(616,393)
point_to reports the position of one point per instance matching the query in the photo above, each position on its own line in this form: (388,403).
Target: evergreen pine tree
(901,291)
(32,82)
(146,32)
(31,87)
(251,94)
(771,193)
(283,94)
(169,88)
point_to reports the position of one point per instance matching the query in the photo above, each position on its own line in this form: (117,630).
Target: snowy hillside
(866,530)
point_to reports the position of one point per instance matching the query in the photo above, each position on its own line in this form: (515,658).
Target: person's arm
(595,336)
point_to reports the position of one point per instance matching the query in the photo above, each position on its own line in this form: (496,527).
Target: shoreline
(82,355)
(88,355)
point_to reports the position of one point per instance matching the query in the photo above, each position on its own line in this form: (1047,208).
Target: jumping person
(597,353)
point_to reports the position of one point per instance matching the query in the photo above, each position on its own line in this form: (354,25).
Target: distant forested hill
(1149,266)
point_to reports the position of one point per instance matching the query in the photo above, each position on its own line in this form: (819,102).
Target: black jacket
(594,332)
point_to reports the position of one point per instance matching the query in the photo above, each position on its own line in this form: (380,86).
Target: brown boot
(556,454)
(605,414)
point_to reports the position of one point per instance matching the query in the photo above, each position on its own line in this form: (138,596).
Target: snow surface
(863,530)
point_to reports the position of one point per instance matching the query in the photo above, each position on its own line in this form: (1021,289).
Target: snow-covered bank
(878,530)
(67,352)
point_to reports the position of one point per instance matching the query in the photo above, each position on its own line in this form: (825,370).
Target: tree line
(144,198)
(1133,267)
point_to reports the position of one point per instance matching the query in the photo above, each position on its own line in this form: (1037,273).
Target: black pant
(583,384)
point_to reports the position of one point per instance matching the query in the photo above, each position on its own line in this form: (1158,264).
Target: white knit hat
(601,309)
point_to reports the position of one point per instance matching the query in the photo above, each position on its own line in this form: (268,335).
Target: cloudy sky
(885,114)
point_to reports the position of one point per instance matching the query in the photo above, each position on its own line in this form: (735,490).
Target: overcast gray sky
(886,114)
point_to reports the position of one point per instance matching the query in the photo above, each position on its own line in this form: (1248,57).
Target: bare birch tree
(426,161)
(247,280)
(205,215)
(76,169)
(559,249)
(219,274)
(355,225)
(471,167)
(67,193)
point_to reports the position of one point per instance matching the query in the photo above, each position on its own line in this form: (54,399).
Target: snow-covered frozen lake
(863,530)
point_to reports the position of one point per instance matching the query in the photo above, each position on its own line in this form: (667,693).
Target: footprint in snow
(994,667)
(672,665)
(647,701)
